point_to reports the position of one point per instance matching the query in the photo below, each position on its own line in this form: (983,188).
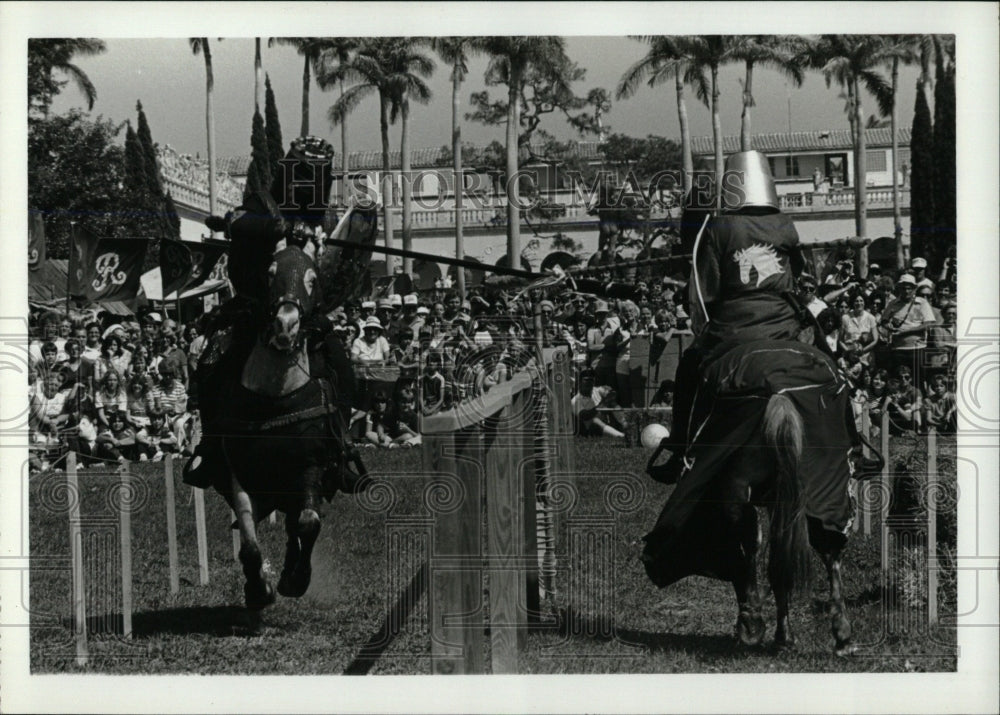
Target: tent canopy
(152,287)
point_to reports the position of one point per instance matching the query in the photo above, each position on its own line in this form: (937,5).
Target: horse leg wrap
(297,573)
(257,592)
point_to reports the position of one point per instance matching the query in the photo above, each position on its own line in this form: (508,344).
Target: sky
(170,81)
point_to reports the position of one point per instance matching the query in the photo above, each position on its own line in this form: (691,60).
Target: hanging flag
(36,240)
(175,265)
(206,257)
(113,269)
(82,245)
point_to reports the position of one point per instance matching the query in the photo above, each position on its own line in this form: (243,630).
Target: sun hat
(423,310)
(906,279)
(919,262)
(601,307)
(373,322)
(547,304)
(154,317)
(410,299)
(384,303)
(368,305)
(395,300)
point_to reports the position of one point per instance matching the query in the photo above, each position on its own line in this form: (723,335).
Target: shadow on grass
(393,622)
(573,625)
(208,620)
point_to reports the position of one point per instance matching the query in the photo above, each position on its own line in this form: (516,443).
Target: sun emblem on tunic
(762,258)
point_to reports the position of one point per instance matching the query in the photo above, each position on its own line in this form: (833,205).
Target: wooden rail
(484,449)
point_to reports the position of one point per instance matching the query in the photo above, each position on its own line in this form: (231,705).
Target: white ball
(652,434)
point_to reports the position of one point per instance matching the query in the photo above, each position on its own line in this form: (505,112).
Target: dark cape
(727,419)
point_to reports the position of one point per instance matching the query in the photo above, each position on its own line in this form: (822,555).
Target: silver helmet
(747,183)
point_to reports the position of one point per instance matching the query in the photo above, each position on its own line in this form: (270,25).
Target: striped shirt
(171,400)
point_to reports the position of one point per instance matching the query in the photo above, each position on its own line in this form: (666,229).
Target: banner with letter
(36,240)
(106,268)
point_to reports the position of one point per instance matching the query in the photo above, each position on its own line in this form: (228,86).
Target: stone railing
(841,199)
(195,197)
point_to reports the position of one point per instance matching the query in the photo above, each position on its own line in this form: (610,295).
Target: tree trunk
(456,149)
(404,166)
(682,120)
(720,164)
(306,83)
(210,127)
(897,214)
(861,189)
(513,193)
(344,156)
(747,101)
(258,78)
(387,182)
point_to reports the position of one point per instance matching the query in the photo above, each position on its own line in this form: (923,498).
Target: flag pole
(69,263)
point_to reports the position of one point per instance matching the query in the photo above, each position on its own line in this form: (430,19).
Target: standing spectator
(171,354)
(110,396)
(807,293)
(137,412)
(71,369)
(196,346)
(372,346)
(919,271)
(367,311)
(859,330)
(905,322)
(92,346)
(110,359)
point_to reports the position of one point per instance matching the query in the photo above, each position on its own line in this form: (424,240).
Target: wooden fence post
(201,534)
(73,497)
(125,530)
(886,492)
(168,481)
(931,492)
(864,488)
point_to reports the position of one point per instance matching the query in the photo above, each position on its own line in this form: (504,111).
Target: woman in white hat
(371,346)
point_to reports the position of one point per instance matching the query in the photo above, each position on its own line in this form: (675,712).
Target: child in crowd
(117,441)
(378,423)
(407,431)
(940,411)
(903,407)
(585,404)
(155,440)
(432,385)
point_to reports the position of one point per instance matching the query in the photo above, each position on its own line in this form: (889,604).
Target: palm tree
(665,59)
(901,48)
(409,68)
(455,51)
(387,67)
(337,50)
(510,59)
(769,51)
(850,61)
(199,45)
(48,55)
(310,48)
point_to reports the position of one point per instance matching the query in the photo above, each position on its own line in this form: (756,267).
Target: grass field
(364,612)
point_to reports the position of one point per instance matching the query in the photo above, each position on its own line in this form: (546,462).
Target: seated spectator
(110,395)
(169,397)
(371,347)
(378,423)
(432,385)
(585,404)
(117,441)
(137,413)
(903,405)
(940,410)
(407,427)
(156,439)
(92,345)
(48,414)
(664,396)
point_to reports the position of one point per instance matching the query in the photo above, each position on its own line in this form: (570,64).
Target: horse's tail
(789,538)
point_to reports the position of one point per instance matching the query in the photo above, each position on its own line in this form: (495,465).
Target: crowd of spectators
(894,336)
(110,391)
(121,390)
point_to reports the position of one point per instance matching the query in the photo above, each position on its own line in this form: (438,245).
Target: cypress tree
(944,166)
(148,152)
(173,220)
(259,171)
(921,177)
(272,128)
(135,221)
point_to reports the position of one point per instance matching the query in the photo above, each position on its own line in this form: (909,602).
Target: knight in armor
(295,210)
(744,265)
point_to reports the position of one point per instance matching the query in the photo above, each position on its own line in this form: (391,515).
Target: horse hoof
(257,598)
(294,584)
(750,629)
(844,649)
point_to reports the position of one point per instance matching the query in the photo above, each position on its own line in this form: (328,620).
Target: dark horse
(277,419)
(776,434)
